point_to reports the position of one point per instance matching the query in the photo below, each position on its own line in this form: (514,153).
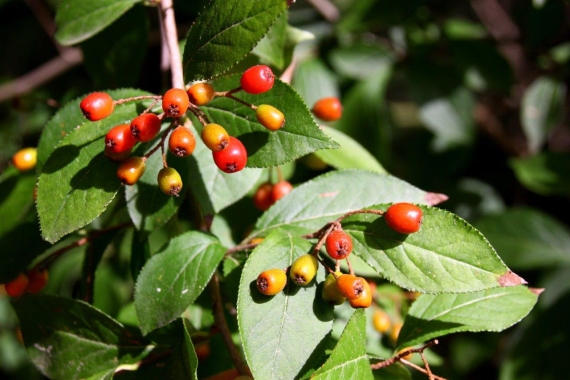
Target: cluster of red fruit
(404,218)
(267,194)
(33,282)
(229,154)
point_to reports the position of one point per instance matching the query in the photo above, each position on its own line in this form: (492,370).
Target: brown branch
(402,354)
(171,34)
(418,368)
(327,9)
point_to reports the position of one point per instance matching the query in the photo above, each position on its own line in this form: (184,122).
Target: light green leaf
(78,20)
(361,60)
(348,359)
(279,333)
(271,49)
(224,33)
(433,316)
(541,109)
(447,255)
(73,340)
(313,80)
(545,173)
(527,238)
(173,278)
(351,155)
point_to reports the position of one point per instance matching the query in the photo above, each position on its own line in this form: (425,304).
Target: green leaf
(271,49)
(447,255)
(16,197)
(361,60)
(77,181)
(118,64)
(348,359)
(79,20)
(314,80)
(315,203)
(224,33)
(172,279)
(527,238)
(279,333)
(149,208)
(298,137)
(69,339)
(461,29)
(541,109)
(351,155)
(213,189)
(545,173)
(437,315)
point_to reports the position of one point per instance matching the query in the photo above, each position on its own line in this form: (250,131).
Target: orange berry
(381,321)
(215,137)
(328,109)
(263,198)
(145,127)
(25,159)
(365,298)
(395,332)
(182,142)
(351,286)
(270,117)
(131,170)
(17,286)
(97,106)
(200,93)
(202,350)
(404,218)
(280,189)
(271,281)
(175,102)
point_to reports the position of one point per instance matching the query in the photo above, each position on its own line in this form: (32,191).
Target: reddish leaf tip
(536,291)
(511,279)
(433,199)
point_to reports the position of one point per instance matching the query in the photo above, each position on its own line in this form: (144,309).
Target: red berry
(338,244)
(328,109)
(182,142)
(175,102)
(257,79)
(119,139)
(145,127)
(38,280)
(280,189)
(131,170)
(263,199)
(232,158)
(97,106)
(117,156)
(17,287)
(404,218)
(201,93)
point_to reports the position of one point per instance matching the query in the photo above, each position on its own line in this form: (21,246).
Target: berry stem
(400,355)
(228,94)
(161,142)
(350,270)
(323,237)
(199,114)
(156,98)
(279,173)
(367,211)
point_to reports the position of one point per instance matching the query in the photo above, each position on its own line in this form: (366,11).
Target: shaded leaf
(437,315)
(280,333)
(78,20)
(72,339)
(348,359)
(527,238)
(16,197)
(359,61)
(172,279)
(314,80)
(271,48)
(224,33)
(541,109)
(298,137)
(545,173)
(447,255)
(319,201)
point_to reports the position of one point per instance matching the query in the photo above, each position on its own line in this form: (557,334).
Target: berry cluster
(267,194)
(404,218)
(32,282)
(228,152)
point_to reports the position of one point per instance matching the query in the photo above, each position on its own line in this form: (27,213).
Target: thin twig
(160,144)
(135,98)
(171,34)
(402,354)
(429,373)
(239,248)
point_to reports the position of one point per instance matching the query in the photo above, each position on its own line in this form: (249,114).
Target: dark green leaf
(78,181)
(213,189)
(298,137)
(172,279)
(319,201)
(271,49)
(16,197)
(541,109)
(447,255)
(279,333)
(437,315)
(93,255)
(224,33)
(545,173)
(527,238)
(79,20)
(69,339)
(348,360)
(350,155)
(118,64)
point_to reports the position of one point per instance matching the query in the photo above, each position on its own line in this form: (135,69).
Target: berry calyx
(200,93)
(257,79)
(145,127)
(182,142)
(119,139)
(97,106)
(404,218)
(38,279)
(330,293)
(175,102)
(381,321)
(270,117)
(365,298)
(25,159)
(263,198)
(338,244)
(271,281)
(328,109)
(350,286)
(169,181)
(215,137)
(17,286)
(304,269)
(280,189)
(131,170)
(232,158)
